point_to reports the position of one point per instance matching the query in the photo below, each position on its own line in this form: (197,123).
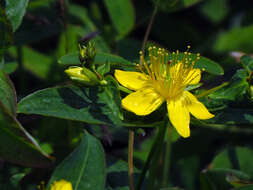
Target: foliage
(73,128)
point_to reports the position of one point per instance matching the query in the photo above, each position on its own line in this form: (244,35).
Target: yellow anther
(198,54)
(188,47)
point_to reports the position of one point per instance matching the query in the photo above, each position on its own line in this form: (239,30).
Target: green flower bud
(82,75)
(87,54)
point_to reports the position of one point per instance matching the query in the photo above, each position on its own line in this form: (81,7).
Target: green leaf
(122,15)
(242,159)
(235,90)
(247,62)
(6,36)
(117,174)
(70,59)
(85,167)
(175,5)
(17,145)
(88,26)
(209,66)
(100,59)
(95,105)
(246,187)
(15,10)
(233,116)
(35,62)
(215,10)
(7,94)
(217,178)
(10,67)
(229,41)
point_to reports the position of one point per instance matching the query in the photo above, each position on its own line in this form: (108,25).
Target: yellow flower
(61,185)
(164,77)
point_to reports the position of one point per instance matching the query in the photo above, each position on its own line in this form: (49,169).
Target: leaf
(100,59)
(209,66)
(95,105)
(217,178)
(15,10)
(117,174)
(233,116)
(35,62)
(235,90)
(88,26)
(122,15)
(175,5)
(6,37)
(229,41)
(215,10)
(10,67)
(7,94)
(70,59)
(247,62)
(17,145)
(246,187)
(242,159)
(85,167)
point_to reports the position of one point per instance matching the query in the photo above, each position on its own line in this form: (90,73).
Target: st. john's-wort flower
(164,77)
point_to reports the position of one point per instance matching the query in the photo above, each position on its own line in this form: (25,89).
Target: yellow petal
(142,102)
(131,80)
(179,117)
(196,108)
(193,76)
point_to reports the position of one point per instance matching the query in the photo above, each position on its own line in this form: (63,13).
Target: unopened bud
(87,54)
(82,75)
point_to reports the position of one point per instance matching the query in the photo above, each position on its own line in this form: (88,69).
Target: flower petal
(142,102)
(179,116)
(193,76)
(130,79)
(196,108)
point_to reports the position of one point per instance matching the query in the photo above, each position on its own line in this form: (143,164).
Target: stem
(167,157)
(149,27)
(151,155)
(207,92)
(157,161)
(130,159)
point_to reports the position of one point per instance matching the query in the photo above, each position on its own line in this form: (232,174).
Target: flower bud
(82,75)
(87,54)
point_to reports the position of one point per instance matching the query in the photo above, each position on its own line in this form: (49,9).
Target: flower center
(169,73)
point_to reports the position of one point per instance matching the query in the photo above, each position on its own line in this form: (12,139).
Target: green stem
(207,92)
(151,155)
(167,157)
(156,166)
(130,159)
